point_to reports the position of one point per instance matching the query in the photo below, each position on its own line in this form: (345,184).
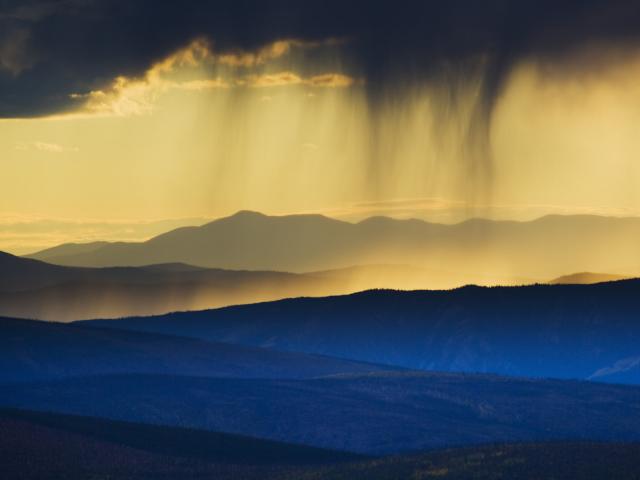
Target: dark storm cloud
(49,50)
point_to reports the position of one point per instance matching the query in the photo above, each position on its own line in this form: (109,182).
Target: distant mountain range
(562,331)
(588,278)
(475,251)
(35,289)
(39,290)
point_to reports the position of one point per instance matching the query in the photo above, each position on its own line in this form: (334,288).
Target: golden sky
(204,134)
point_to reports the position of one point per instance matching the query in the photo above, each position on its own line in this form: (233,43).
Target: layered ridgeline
(35,289)
(561,331)
(370,413)
(294,397)
(44,445)
(234,261)
(36,351)
(36,445)
(475,251)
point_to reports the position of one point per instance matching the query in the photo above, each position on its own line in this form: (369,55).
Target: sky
(122,119)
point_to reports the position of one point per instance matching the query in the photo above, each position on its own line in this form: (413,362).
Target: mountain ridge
(563,331)
(43,445)
(35,289)
(547,247)
(33,350)
(370,414)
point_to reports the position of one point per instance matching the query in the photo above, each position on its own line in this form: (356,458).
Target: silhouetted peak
(248,217)
(582,278)
(248,214)
(241,216)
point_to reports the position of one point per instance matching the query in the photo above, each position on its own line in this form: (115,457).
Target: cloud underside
(81,46)
(135,96)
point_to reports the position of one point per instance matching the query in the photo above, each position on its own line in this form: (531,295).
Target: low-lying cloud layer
(21,235)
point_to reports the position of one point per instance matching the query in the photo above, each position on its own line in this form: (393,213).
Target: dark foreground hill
(42,445)
(554,460)
(45,446)
(545,248)
(32,350)
(37,446)
(369,413)
(561,331)
(222,448)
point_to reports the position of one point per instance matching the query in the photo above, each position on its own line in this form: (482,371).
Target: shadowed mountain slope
(552,460)
(544,248)
(44,445)
(215,447)
(562,331)
(37,445)
(31,350)
(370,413)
